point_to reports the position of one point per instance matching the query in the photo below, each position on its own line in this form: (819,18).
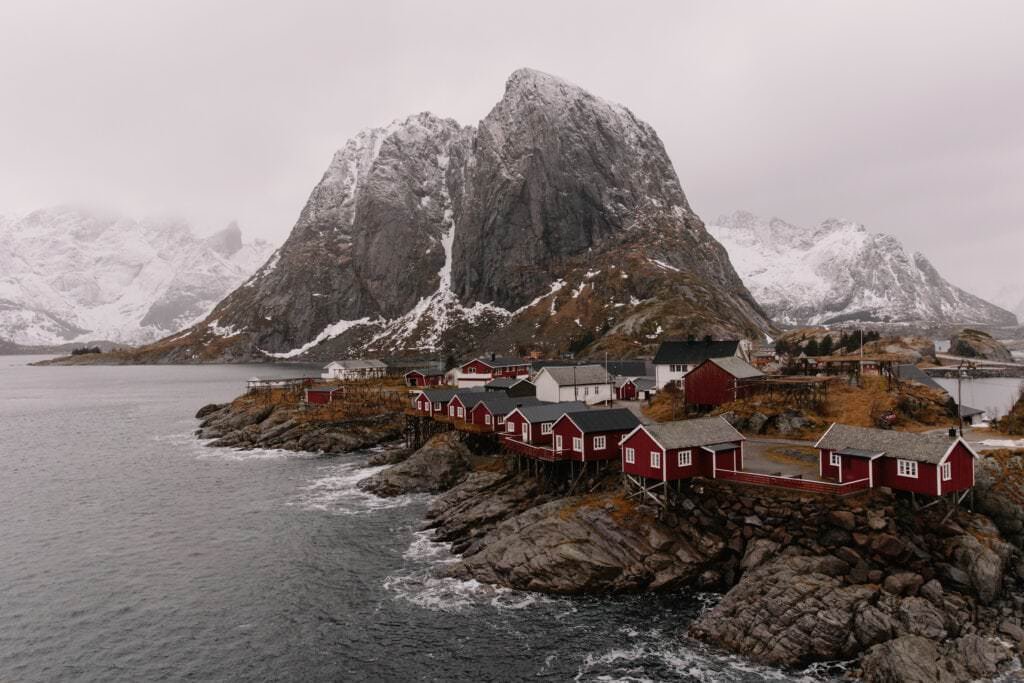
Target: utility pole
(960,372)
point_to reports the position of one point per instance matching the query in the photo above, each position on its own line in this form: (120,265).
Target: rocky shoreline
(908,594)
(249,424)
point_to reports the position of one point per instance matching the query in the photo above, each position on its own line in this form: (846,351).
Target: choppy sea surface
(129,551)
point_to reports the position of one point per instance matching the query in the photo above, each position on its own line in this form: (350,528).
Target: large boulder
(437,466)
(596,544)
(910,659)
(977,344)
(791,611)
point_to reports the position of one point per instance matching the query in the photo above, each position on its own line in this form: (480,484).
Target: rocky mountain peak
(227,241)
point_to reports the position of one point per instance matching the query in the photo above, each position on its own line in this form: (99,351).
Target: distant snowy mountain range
(839,271)
(1011,297)
(75,275)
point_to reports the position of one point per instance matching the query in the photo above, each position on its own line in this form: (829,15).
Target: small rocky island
(907,593)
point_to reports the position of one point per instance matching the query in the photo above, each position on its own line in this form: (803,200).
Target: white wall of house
(667,374)
(548,390)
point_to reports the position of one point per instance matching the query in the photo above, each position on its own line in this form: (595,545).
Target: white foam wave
(655,651)
(200,448)
(337,492)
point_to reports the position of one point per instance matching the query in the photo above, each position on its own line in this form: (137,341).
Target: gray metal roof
(578,375)
(717,447)
(445,395)
(928,448)
(426,371)
(549,412)
(358,363)
(694,352)
(858,452)
(610,420)
(737,367)
(645,383)
(912,373)
(500,404)
(703,431)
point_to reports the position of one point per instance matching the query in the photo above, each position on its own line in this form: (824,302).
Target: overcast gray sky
(905,116)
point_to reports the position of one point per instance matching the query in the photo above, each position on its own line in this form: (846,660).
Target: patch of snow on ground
(662,264)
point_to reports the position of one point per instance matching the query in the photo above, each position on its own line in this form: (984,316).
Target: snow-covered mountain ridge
(71,274)
(839,271)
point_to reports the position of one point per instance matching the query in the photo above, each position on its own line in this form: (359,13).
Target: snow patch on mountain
(839,271)
(72,275)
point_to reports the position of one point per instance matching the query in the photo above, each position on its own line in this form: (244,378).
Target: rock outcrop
(437,466)
(559,220)
(977,344)
(248,423)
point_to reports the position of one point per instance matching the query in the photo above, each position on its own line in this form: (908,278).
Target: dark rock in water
(437,466)
(910,659)
(210,408)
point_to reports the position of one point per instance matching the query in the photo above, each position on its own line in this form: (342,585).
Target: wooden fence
(825,487)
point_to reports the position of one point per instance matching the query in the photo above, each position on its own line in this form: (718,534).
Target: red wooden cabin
(634,388)
(931,464)
(320,395)
(592,434)
(424,378)
(496,366)
(717,381)
(534,424)
(670,451)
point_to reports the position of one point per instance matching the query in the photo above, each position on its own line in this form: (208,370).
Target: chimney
(492,355)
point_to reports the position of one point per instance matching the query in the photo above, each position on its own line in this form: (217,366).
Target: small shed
(320,395)
(425,377)
(587,383)
(717,381)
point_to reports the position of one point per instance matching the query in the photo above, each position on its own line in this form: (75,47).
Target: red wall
(886,476)
(476,367)
(515,371)
(318,397)
(418,379)
(567,430)
(827,470)
(535,436)
(627,392)
(709,385)
(456,403)
(726,460)
(423,403)
(700,462)
(963,470)
(854,468)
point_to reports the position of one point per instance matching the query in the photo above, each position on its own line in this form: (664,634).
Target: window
(462,412)
(834,460)
(906,468)
(656,459)
(510,427)
(675,368)
(630,456)
(947,471)
(577,444)
(600,443)
(685,458)
(558,442)
(437,406)
(451,410)
(545,427)
(501,419)
(487,419)
(526,431)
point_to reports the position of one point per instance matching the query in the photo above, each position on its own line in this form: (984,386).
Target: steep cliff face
(839,271)
(559,221)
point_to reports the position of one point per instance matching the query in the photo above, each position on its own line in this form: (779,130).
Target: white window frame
(451,411)
(947,471)
(487,418)
(546,427)
(526,431)
(835,460)
(510,427)
(906,468)
(437,405)
(577,444)
(461,412)
(630,456)
(501,419)
(685,458)
(600,443)
(656,460)
(558,442)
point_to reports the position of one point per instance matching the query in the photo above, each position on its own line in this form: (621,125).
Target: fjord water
(129,551)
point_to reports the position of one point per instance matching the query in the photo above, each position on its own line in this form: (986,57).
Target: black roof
(549,412)
(447,394)
(500,404)
(693,352)
(627,368)
(427,371)
(611,420)
(912,373)
(498,361)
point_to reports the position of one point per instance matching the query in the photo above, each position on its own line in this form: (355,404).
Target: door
(526,431)
(558,442)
